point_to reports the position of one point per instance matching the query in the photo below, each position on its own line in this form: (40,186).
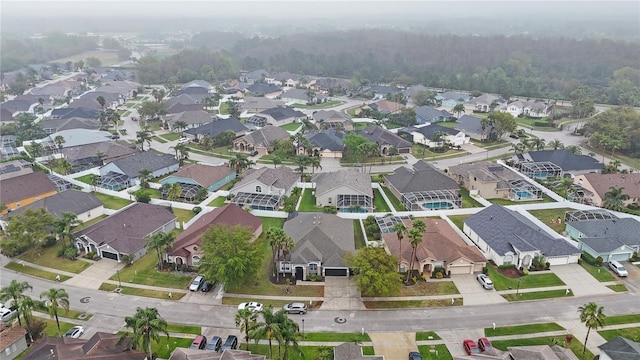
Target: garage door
(110,255)
(461,269)
(335,272)
(619,257)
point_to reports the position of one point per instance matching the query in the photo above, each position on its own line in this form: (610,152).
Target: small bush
(196,209)
(48,241)
(507,266)
(90,255)
(599,261)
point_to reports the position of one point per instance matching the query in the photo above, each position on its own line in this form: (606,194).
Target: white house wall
(266,189)
(91,214)
(323,199)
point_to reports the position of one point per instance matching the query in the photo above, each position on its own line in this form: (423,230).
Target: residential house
(178,108)
(299,96)
(387,107)
(254,76)
(620,348)
(6,116)
(124,232)
(484,103)
(428,114)
(508,237)
(25,189)
(115,75)
(112,100)
(187,247)
(386,140)
(217,127)
(494,181)
(330,85)
(324,143)
(235,88)
(17,107)
(550,163)
(201,176)
(128,89)
(84,157)
(260,140)
(55,91)
(277,116)
(15,168)
(607,237)
(192,119)
(347,190)
(321,242)
(13,341)
(435,135)
(78,112)
(78,137)
(380,91)
(268,91)
(263,188)
(44,102)
(472,126)
(84,205)
(85,103)
(423,187)
(599,184)
(100,346)
(449,99)
(53,125)
(411,91)
(252,104)
(194,92)
(352,351)
(285,79)
(441,247)
(197,354)
(332,119)
(124,172)
(535,109)
(182,99)
(198,83)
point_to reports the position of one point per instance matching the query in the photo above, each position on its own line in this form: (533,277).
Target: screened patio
(431,200)
(348,203)
(188,192)
(539,170)
(582,215)
(387,223)
(60,183)
(521,190)
(114,181)
(258,201)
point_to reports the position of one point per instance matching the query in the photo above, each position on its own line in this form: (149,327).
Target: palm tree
(275,236)
(288,334)
(100,155)
(54,300)
(206,142)
(593,317)
(26,305)
(302,161)
(314,162)
(94,179)
(180,125)
(142,137)
(100,99)
(325,353)
(174,191)
(14,291)
(415,238)
(59,140)
(556,144)
(458,109)
(146,325)
(158,242)
(64,225)
(240,162)
(400,230)
(182,152)
(276,160)
(144,175)
(518,147)
(114,117)
(574,149)
(538,143)
(614,199)
(269,328)
(246,320)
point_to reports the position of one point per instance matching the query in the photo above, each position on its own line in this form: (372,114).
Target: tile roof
(196,354)
(602,182)
(608,234)
(621,348)
(229,215)
(358,181)
(326,139)
(131,165)
(101,345)
(387,106)
(565,159)
(504,230)
(204,175)
(9,335)
(125,230)
(407,180)
(74,201)
(486,171)
(25,186)
(218,126)
(382,136)
(266,135)
(281,177)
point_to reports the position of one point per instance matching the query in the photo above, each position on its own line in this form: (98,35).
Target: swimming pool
(523,195)
(438,205)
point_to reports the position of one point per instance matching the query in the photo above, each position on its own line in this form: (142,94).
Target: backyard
(550,218)
(379,204)
(292,126)
(112,202)
(217,202)
(393,199)
(308,202)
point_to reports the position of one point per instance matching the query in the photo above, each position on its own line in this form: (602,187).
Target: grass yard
(183,215)
(292,126)
(537,295)
(618,287)
(308,352)
(411,304)
(107,58)
(458,220)
(522,329)
(632,333)
(434,352)
(308,202)
(51,328)
(394,200)
(90,222)
(421,152)
(422,288)
(26,269)
(501,282)
(622,319)
(505,202)
(75,314)
(549,215)
(142,292)
(184,329)
(160,139)
(217,202)
(49,257)
(163,348)
(172,136)
(575,346)
(85,179)
(427,335)
(599,272)
(358,235)
(153,193)
(143,271)
(467,200)
(336,337)
(324,105)
(112,202)
(379,204)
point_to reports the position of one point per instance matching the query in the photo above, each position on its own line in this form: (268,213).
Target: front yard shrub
(196,209)
(90,255)
(599,261)
(507,266)
(49,241)
(330,210)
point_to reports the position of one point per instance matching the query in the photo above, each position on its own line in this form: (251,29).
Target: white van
(618,268)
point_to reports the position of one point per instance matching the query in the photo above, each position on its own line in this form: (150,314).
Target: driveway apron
(93,276)
(580,281)
(395,345)
(341,293)
(473,293)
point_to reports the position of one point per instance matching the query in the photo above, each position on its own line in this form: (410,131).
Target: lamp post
(518,288)
(303,328)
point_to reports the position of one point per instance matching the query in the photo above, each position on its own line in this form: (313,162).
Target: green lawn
(143,271)
(165,345)
(537,295)
(112,202)
(172,136)
(458,220)
(85,179)
(75,314)
(427,335)
(618,287)
(501,282)
(142,292)
(335,336)
(159,139)
(324,105)
(575,346)
(550,217)
(522,329)
(292,126)
(358,235)
(217,202)
(622,319)
(183,215)
(411,304)
(599,272)
(49,257)
(632,333)
(308,352)
(467,200)
(393,199)
(184,329)
(26,269)
(434,352)
(505,202)
(379,204)
(90,222)
(308,202)
(422,288)
(51,328)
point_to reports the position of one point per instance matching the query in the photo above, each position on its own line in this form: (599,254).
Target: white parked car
(253,306)
(7,314)
(75,332)
(485,281)
(183,140)
(197,283)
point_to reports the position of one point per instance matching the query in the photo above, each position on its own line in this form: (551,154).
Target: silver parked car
(295,308)
(197,283)
(485,281)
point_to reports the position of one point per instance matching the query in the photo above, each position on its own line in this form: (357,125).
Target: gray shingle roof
(430,131)
(608,234)
(281,177)
(429,113)
(382,136)
(621,349)
(326,139)
(150,160)
(565,159)
(505,230)
(74,201)
(79,112)
(218,126)
(283,112)
(360,182)
(420,178)
(469,123)
(190,117)
(266,135)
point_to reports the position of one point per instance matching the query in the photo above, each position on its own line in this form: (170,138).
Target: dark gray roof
(382,136)
(178,108)
(131,165)
(266,135)
(256,74)
(80,112)
(505,230)
(82,155)
(429,113)
(218,126)
(281,177)
(73,201)
(421,178)
(621,348)
(452,95)
(283,112)
(262,89)
(384,89)
(326,139)
(608,234)
(469,123)
(70,123)
(197,83)
(183,99)
(299,94)
(190,117)
(17,105)
(360,182)
(93,95)
(430,131)
(323,115)
(565,159)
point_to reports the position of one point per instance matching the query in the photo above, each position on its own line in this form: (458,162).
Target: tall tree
(502,122)
(143,136)
(400,230)
(182,152)
(64,225)
(458,109)
(376,272)
(240,162)
(556,144)
(159,242)
(593,317)
(14,292)
(100,99)
(418,227)
(246,320)
(301,161)
(268,328)
(146,325)
(144,176)
(56,299)
(59,140)
(614,199)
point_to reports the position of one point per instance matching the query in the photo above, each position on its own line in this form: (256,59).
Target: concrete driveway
(580,281)
(473,293)
(394,345)
(341,293)
(93,276)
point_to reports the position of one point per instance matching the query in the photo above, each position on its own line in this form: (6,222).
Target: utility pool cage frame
(257,121)
(60,183)
(188,192)
(431,200)
(584,215)
(114,181)
(521,190)
(580,195)
(539,170)
(258,201)
(387,223)
(346,203)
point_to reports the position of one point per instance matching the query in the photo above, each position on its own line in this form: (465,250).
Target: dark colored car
(200,342)
(207,286)
(514,136)
(414,355)
(484,344)
(231,343)
(214,344)
(470,347)
(253,153)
